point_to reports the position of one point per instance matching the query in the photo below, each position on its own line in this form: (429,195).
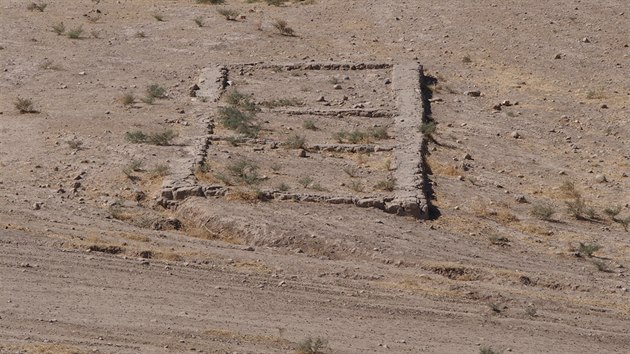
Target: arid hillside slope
(526,250)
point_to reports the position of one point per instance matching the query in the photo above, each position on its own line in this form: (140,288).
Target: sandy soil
(89,262)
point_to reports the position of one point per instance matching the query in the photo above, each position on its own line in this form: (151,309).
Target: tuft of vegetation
(50,65)
(140,34)
(305,181)
(75,144)
(499,240)
(283,28)
(542,212)
(466,59)
(351,171)
(160,170)
(496,308)
(235,140)
(213,2)
(59,28)
(312,346)
(156,91)
(487,350)
(198,21)
(601,265)
(625,222)
(568,190)
(309,124)
(357,136)
(357,186)
(282,187)
(388,184)
(247,171)
(612,212)
(295,142)
(531,311)
(587,249)
(241,122)
(240,100)
(136,137)
(229,14)
(428,129)
(128,98)
(595,95)
(133,166)
(282,102)
(75,33)
(35,6)
(161,139)
(579,210)
(24,105)
(378,133)
(340,136)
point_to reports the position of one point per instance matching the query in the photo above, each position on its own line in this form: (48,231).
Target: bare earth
(92,261)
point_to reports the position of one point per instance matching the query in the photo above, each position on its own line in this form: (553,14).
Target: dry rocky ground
(532,103)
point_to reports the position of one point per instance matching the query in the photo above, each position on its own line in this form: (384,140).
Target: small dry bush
(24,105)
(229,14)
(312,346)
(587,249)
(35,6)
(388,184)
(283,28)
(542,211)
(59,28)
(75,33)
(295,141)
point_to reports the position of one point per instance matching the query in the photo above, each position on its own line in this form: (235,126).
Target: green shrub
(239,100)
(612,211)
(136,137)
(156,91)
(245,170)
(162,139)
(586,249)
(75,33)
(428,129)
(241,122)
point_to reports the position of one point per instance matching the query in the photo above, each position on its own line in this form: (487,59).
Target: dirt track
(260,277)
